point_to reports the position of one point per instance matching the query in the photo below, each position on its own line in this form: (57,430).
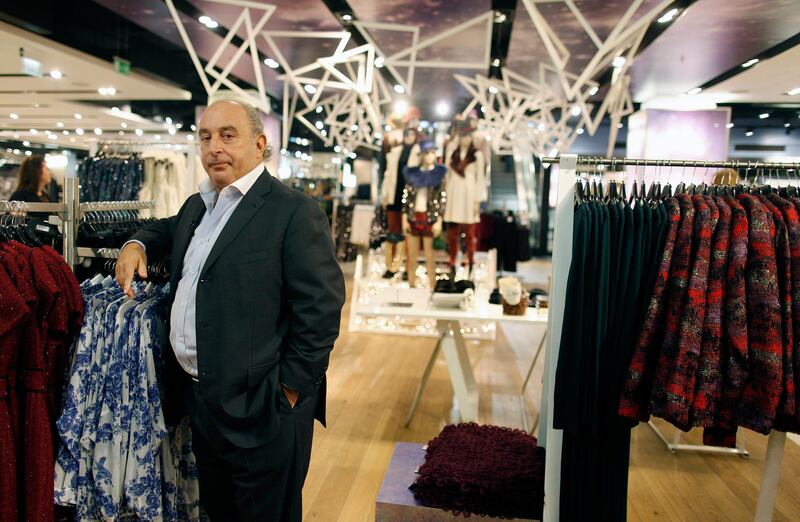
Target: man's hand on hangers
(132,259)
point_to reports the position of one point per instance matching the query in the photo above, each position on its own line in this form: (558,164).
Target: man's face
(409,137)
(227,145)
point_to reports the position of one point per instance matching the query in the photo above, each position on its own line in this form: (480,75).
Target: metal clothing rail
(103,206)
(551,438)
(104,253)
(600,160)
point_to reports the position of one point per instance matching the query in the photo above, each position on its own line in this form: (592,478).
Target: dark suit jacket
(268,304)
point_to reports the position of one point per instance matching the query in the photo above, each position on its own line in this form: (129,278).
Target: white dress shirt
(219,208)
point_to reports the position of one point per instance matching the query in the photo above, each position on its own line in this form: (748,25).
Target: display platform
(396,503)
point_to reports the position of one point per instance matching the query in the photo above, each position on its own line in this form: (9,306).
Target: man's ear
(261,143)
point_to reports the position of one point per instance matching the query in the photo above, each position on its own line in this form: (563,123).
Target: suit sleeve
(157,237)
(315,293)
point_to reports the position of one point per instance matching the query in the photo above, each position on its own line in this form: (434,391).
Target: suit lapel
(251,202)
(189,222)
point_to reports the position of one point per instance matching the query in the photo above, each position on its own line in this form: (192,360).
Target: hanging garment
(465,192)
(111,177)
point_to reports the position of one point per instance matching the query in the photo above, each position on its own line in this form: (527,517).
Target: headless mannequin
(427,163)
(464,221)
(394,250)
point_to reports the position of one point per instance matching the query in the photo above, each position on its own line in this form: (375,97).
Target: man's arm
(315,293)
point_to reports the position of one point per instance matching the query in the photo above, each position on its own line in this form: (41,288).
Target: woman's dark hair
(30,172)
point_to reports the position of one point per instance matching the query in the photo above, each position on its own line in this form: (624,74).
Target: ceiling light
(496,62)
(65,132)
(763,116)
(26,143)
(379,62)
(352,155)
(121,133)
(16,136)
(190,137)
(139,132)
(318,124)
(79,131)
(56,74)
(208,22)
(399,89)
(168,120)
(749,132)
(14,116)
(540,126)
(59,124)
(53,137)
(337,148)
(499,17)
(123,125)
(114,109)
(694,91)
(579,131)
(310,89)
(794,92)
(750,63)
(272,64)
(575,111)
(77,116)
(72,140)
(178,125)
(107,91)
(729,125)
(618,62)
(668,16)
(442,108)
(400,106)
(28,153)
(620,125)
(298,154)
(157,137)
(172,131)
(354,128)
(787,124)
(34,132)
(98,131)
(15,151)
(347,17)
(304,142)
(319,109)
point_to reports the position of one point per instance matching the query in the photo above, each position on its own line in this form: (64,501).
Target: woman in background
(33,178)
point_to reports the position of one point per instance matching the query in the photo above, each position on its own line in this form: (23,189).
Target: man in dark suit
(256,297)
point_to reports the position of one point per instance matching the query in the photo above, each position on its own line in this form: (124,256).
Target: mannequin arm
(406,226)
(481,192)
(437,228)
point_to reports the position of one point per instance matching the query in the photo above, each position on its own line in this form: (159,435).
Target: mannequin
(466,190)
(398,156)
(424,203)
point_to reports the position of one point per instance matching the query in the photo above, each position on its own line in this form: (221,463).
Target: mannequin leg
(453,232)
(390,248)
(411,259)
(471,242)
(430,261)
(399,250)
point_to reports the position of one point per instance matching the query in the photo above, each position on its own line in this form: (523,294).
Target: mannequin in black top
(32,179)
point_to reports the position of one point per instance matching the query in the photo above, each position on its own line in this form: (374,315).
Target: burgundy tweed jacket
(786,405)
(679,275)
(708,386)
(734,344)
(762,390)
(680,381)
(791,220)
(636,388)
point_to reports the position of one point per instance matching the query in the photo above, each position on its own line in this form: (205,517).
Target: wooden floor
(371,383)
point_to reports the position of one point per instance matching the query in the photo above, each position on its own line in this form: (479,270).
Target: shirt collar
(242,185)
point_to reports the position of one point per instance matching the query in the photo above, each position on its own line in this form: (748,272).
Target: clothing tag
(42,228)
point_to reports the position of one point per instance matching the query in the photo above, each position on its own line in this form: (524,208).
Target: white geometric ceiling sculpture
(221,74)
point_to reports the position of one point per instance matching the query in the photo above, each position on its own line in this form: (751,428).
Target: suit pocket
(252,257)
(256,374)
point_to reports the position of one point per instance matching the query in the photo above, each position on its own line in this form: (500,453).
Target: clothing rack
(104,206)
(551,439)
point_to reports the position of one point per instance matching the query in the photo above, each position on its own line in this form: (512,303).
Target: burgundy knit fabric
(636,388)
(733,349)
(708,384)
(679,275)
(786,405)
(682,377)
(762,390)
(485,470)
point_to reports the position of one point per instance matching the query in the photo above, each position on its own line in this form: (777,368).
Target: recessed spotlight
(310,89)
(749,133)
(750,63)
(318,124)
(400,106)
(121,133)
(694,91)
(168,120)
(107,91)
(65,132)
(14,116)
(79,131)
(763,116)
(794,92)
(668,16)
(272,64)
(34,132)
(729,125)
(442,108)
(618,62)
(575,111)
(787,124)
(56,74)
(26,143)
(123,125)
(399,89)
(193,127)
(52,137)
(496,62)
(139,132)
(60,124)
(28,153)
(347,17)
(157,137)
(172,131)
(208,22)
(499,17)
(72,140)
(540,127)
(594,90)
(190,137)
(620,125)
(77,116)
(379,62)
(579,131)
(98,131)
(492,89)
